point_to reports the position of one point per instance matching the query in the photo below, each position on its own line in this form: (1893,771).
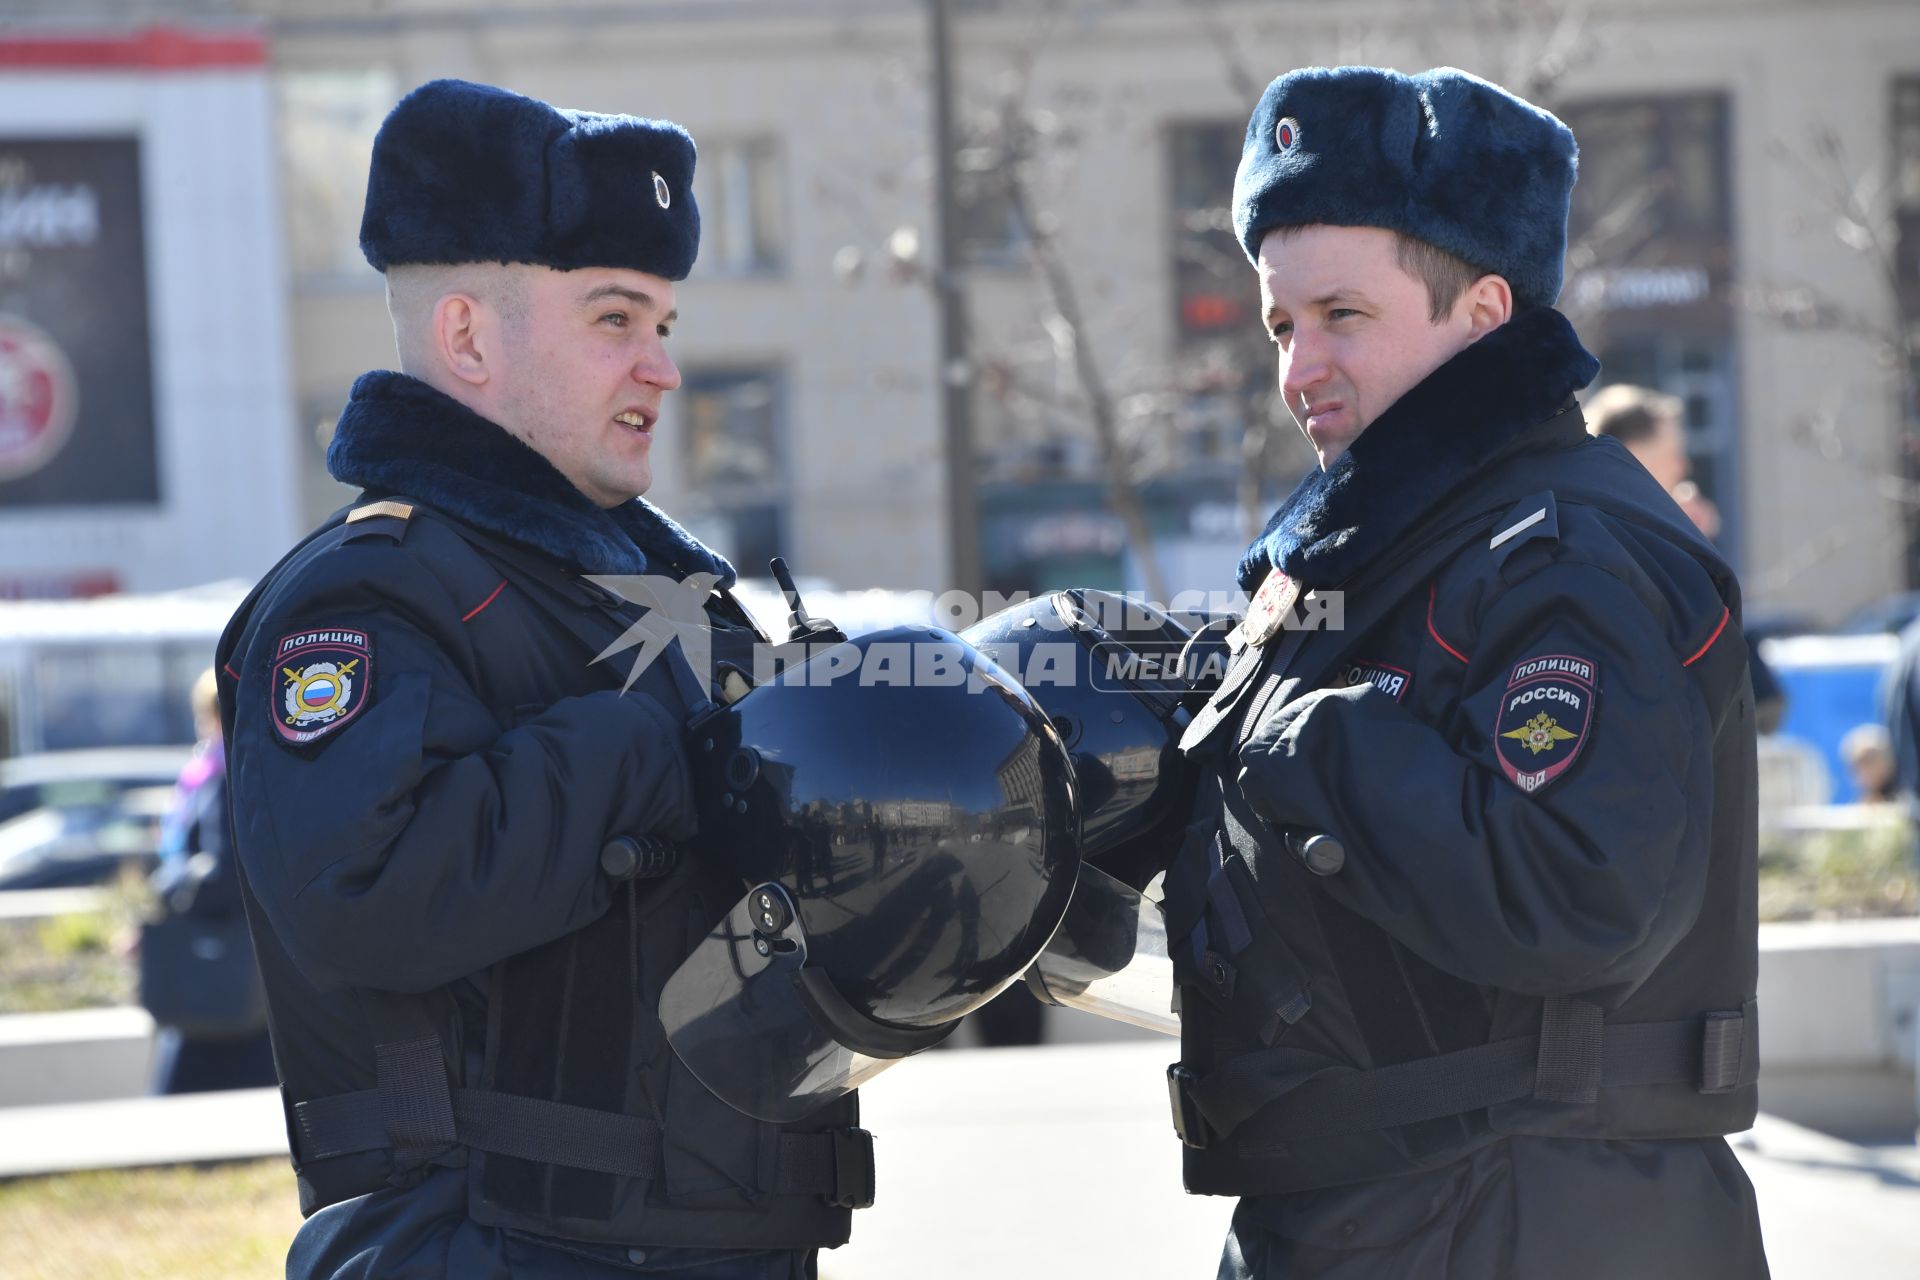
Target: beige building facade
(1722,139)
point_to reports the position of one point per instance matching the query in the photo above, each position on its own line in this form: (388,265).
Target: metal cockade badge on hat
(1286,133)
(661,195)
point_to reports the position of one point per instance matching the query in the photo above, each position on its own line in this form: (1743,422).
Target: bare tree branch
(1021,133)
(1246,86)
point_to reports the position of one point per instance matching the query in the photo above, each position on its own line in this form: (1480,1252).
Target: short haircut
(1445,275)
(1632,414)
(414,291)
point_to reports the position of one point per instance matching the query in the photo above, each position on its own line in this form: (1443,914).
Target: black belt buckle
(1188,1123)
(852,1169)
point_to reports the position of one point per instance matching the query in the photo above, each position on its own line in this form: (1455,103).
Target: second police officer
(1467,955)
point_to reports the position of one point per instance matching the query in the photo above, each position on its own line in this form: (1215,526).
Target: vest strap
(501,1123)
(1727,1060)
(416,1107)
(1569,1066)
(1712,1053)
(836,1164)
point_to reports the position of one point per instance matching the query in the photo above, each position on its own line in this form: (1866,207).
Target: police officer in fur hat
(1467,946)
(455,825)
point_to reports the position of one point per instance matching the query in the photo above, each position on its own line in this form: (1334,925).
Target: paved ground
(1061,1162)
(1054,1162)
(1832,1210)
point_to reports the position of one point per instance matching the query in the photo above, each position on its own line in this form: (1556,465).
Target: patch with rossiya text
(323,679)
(1546,716)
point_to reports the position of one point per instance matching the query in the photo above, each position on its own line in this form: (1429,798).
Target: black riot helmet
(905,816)
(1119,679)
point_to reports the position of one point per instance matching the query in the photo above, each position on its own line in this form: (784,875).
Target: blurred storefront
(144,381)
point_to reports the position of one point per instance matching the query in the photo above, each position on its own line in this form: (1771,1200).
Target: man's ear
(463,337)
(1489,304)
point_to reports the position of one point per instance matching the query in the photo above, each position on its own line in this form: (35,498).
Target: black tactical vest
(1316,1050)
(549,1076)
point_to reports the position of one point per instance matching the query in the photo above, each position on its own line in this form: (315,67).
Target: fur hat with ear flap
(469,173)
(1442,156)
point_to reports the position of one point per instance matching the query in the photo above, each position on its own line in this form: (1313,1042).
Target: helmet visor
(1109,957)
(765,1034)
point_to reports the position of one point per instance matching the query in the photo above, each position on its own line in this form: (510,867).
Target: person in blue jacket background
(1467,947)
(456,826)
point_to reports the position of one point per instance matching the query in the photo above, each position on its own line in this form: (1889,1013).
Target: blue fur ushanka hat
(470,173)
(1443,156)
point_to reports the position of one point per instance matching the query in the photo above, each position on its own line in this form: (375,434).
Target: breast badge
(324,680)
(1545,717)
(1384,676)
(1268,612)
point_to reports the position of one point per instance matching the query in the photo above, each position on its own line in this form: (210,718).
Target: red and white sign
(38,398)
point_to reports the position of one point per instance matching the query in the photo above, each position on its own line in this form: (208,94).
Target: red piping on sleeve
(1725,613)
(474,612)
(230,671)
(1431,587)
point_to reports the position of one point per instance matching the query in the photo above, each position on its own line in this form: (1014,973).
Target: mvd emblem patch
(1545,716)
(324,678)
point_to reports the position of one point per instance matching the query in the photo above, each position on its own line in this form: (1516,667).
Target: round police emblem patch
(662,196)
(1546,715)
(1286,134)
(324,678)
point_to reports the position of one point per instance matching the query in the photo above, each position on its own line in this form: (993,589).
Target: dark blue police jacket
(426,763)
(1533,742)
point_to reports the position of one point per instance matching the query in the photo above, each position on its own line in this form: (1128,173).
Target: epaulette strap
(385,507)
(383,519)
(1533,518)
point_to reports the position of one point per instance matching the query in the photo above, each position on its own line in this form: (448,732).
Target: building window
(327,122)
(737,478)
(987,231)
(742,199)
(1213,287)
(1650,268)
(1906,205)
(1650,234)
(1226,372)
(1906,141)
(1906,283)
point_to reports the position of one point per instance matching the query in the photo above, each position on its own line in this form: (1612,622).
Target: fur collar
(399,435)
(1486,400)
